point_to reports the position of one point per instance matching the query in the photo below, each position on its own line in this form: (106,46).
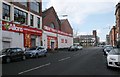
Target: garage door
(6,44)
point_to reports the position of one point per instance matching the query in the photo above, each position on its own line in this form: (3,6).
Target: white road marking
(34,68)
(64,59)
(76,55)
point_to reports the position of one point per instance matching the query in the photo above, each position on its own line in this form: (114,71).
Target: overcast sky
(86,15)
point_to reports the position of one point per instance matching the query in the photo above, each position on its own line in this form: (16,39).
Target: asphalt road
(89,61)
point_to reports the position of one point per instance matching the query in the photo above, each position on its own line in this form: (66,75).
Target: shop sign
(56,31)
(18,28)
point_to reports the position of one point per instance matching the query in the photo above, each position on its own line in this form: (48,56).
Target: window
(62,40)
(6,12)
(38,22)
(35,6)
(20,16)
(52,25)
(24,2)
(31,20)
(65,40)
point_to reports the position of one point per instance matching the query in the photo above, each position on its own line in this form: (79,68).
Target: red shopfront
(27,31)
(52,42)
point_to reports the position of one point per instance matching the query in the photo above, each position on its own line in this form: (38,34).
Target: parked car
(107,50)
(11,54)
(113,58)
(79,47)
(72,48)
(36,52)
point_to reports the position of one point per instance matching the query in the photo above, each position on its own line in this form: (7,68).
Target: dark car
(72,48)
(36,52)
(11,54)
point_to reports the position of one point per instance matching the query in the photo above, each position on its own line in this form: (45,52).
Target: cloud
(79,10)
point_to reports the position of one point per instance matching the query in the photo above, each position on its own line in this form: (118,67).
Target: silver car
(36,52)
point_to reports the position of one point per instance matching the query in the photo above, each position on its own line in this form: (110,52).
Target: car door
(40,50)
(19,52)
(13,53)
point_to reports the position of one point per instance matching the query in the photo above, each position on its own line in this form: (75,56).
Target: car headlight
(112,58)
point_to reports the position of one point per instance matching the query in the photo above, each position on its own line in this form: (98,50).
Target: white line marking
(76,55)
(34,68)
(64,59)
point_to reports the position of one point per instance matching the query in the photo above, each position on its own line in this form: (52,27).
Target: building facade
(21,23)
(88,40)
(117,14)
(53,36)
(113,36)
(107,39)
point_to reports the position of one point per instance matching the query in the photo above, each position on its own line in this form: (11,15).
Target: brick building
(21,23)
(54,34)
(113,36)
(117,14)
(87,40)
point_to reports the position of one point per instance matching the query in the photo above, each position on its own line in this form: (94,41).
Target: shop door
(52,45)
(6,44)
(33,42)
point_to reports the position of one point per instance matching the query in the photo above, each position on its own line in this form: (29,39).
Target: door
(33,42)
(6,44)
(52,45)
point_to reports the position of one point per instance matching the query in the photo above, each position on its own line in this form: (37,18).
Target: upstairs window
(31,20)
(20,16)
(23,2)
(35,6)
(6,12)
(52,25)
(38,22)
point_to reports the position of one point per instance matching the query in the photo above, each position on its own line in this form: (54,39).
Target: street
(89,61)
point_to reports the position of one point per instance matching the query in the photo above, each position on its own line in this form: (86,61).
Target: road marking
(76,55)
(64,59)
(34,68)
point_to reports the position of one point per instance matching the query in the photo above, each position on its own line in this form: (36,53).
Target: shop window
(62,40)
(20,16)
(31,20)
(52,25)
(65,40)
(35,6)
(6,12)
(38,22)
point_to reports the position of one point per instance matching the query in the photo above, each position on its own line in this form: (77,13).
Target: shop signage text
(56,31)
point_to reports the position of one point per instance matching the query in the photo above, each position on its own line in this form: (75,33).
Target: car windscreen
(5,50)
(115,52)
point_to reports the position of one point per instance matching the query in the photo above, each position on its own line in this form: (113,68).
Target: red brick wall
(66,27)
(50,17)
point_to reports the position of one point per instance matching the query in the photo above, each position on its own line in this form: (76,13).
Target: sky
(86,15)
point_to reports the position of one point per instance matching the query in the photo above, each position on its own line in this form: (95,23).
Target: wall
(16,39)
(64,45)
(44,37)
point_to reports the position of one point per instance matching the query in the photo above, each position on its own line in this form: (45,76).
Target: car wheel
(45,55)
(23,57)
(8,60)
(36,55)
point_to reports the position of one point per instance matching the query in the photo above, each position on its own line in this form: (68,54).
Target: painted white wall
(65,45)
(60,45)
(17,40)
(44,37)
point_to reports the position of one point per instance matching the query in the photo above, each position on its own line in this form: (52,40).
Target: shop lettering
(13,27)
